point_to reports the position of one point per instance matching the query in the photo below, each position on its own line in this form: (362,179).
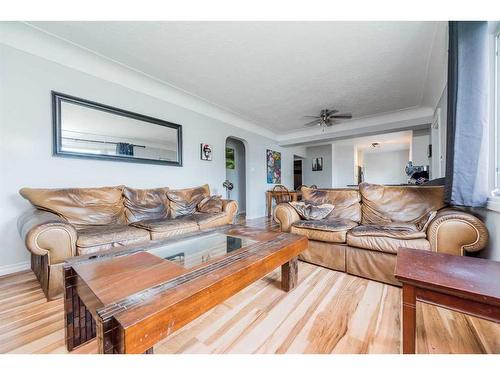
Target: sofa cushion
(145,204)
(211,220)
(331,230)
(185,201)
(163,228)
(113,235)
(386,204)
(81,206)
(405,231)
(387,238)
(210,205)
(346,201)
(309,211)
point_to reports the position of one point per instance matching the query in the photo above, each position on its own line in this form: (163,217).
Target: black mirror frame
(58,98)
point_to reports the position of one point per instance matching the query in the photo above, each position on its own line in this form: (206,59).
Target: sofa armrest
(46,233)
(285,215)
(231,208)
(453,231)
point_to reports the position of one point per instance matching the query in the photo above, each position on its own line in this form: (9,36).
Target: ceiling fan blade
(332,111)
(312,123)
(312,116)
(344,115)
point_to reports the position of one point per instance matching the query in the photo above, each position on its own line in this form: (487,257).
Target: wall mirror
(87,129)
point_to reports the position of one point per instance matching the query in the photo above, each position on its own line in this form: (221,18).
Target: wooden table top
(470,277)
(116,278)
(120,280)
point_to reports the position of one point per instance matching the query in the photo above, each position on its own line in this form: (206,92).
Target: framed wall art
(206,152)
(273,159)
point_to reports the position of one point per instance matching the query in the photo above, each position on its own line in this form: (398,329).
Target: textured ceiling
(273,73)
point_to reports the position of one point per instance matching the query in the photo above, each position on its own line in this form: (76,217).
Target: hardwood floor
(328,312)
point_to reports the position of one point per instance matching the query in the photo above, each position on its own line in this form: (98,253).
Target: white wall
(492,220)
(385,167)
(343,165)
(319,178)
(438,137)
(237,175)
(420,142)
(26,137)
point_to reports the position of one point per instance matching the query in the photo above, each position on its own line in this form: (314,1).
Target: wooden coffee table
(464,284)
(133,297)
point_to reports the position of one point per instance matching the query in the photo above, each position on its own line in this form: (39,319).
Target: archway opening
(236,172)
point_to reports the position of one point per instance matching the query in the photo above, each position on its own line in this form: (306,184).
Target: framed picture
(317,164)
(206,151)
(273,159)
(230,164)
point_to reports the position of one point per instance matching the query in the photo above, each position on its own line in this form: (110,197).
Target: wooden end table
(270,194)
(464,284)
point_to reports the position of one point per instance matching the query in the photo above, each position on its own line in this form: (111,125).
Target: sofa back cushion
(145,204)
(346,201)
(81,206)
(387,204)
(185,201)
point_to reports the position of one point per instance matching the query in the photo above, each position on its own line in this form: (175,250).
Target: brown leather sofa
(367,226)
(71,222)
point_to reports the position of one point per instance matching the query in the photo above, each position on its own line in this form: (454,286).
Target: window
(496,109)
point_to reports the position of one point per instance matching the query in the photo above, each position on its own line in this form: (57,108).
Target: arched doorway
(236,171)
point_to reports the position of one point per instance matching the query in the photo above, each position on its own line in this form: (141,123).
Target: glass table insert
(192,252)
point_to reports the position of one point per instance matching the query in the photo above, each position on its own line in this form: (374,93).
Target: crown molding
(28,38)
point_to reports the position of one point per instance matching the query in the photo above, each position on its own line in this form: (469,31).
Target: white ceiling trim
(30,39)
(383,123)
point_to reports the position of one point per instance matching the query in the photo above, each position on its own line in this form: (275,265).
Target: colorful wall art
(273,167)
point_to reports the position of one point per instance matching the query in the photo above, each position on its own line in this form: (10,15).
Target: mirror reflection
(99,131)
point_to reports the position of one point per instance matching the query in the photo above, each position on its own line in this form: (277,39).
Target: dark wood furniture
(276,195)
(464,284)
(130,299)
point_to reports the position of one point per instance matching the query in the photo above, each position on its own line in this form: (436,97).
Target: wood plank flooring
(328,312)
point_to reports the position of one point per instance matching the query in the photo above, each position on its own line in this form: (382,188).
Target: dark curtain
(125,149)
(467,125)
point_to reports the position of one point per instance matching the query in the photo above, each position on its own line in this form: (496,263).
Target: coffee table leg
(79,324)
(409,314)
(289,274)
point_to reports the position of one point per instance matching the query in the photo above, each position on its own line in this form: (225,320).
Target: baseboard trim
(12,268)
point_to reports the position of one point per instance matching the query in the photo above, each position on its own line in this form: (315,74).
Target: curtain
(125,149)
(467,127)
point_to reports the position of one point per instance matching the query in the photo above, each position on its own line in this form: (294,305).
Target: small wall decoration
(273,167)
(206,152)
(317,164)
(230,164)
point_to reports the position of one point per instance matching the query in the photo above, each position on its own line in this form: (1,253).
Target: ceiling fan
(327,118)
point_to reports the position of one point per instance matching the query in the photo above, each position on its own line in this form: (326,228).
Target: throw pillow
(210,205)
(423,222)
(184,201)
(308,211)
(145,204)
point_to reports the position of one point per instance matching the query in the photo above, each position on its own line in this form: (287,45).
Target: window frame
(494,200)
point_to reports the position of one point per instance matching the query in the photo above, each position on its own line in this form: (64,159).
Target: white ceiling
(273,73)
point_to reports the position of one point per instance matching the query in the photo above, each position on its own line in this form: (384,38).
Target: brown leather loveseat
(71,222)
(367,226)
